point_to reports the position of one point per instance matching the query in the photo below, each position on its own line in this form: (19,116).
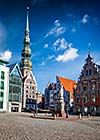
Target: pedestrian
(33,112)
(88,114)
(79,113)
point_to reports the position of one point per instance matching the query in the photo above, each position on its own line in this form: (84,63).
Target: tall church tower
(29,82)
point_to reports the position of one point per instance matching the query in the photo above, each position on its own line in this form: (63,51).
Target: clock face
(27,72)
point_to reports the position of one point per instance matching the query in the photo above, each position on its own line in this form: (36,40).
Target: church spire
(26,52)
(26,37)
(29,87)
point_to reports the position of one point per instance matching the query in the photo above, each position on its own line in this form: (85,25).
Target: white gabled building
(4,86)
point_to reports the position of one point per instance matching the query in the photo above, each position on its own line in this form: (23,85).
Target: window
(15,72)
(27,101)
(93,87)
(84,99)
(1,104)
(13,97)
(90,72)
(1,94)
(93,108)
(17,98)
(93,99)
(2,84)
(2,75)
(26,91)
(86,72)
(79,88)
(77,100)
(31,101)
(51,97)
(26,96)
(84,88)
(30,105)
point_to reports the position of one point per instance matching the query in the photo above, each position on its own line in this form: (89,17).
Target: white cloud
(46,46)
(43,63)
(51,57)
(6,55)
(98,63)
(69,55)
(89,44)
(56,43)
(57,29)
(60,43)
(57,23)
(73,30)
(85,19)
(3,33)
(70,45)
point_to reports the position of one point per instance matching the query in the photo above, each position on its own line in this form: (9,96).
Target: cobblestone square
(21,126)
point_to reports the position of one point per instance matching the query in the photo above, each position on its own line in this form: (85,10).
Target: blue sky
(60,30)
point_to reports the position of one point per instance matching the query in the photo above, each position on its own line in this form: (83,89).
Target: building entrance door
(14,109)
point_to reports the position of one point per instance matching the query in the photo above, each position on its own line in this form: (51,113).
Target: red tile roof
(68,84)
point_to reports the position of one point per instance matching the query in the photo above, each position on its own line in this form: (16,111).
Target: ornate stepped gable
(87,95)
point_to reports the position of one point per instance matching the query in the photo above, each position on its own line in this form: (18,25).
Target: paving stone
(21,126)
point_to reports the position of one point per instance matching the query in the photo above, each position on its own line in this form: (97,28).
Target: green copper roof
(26,51)
(26,63)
